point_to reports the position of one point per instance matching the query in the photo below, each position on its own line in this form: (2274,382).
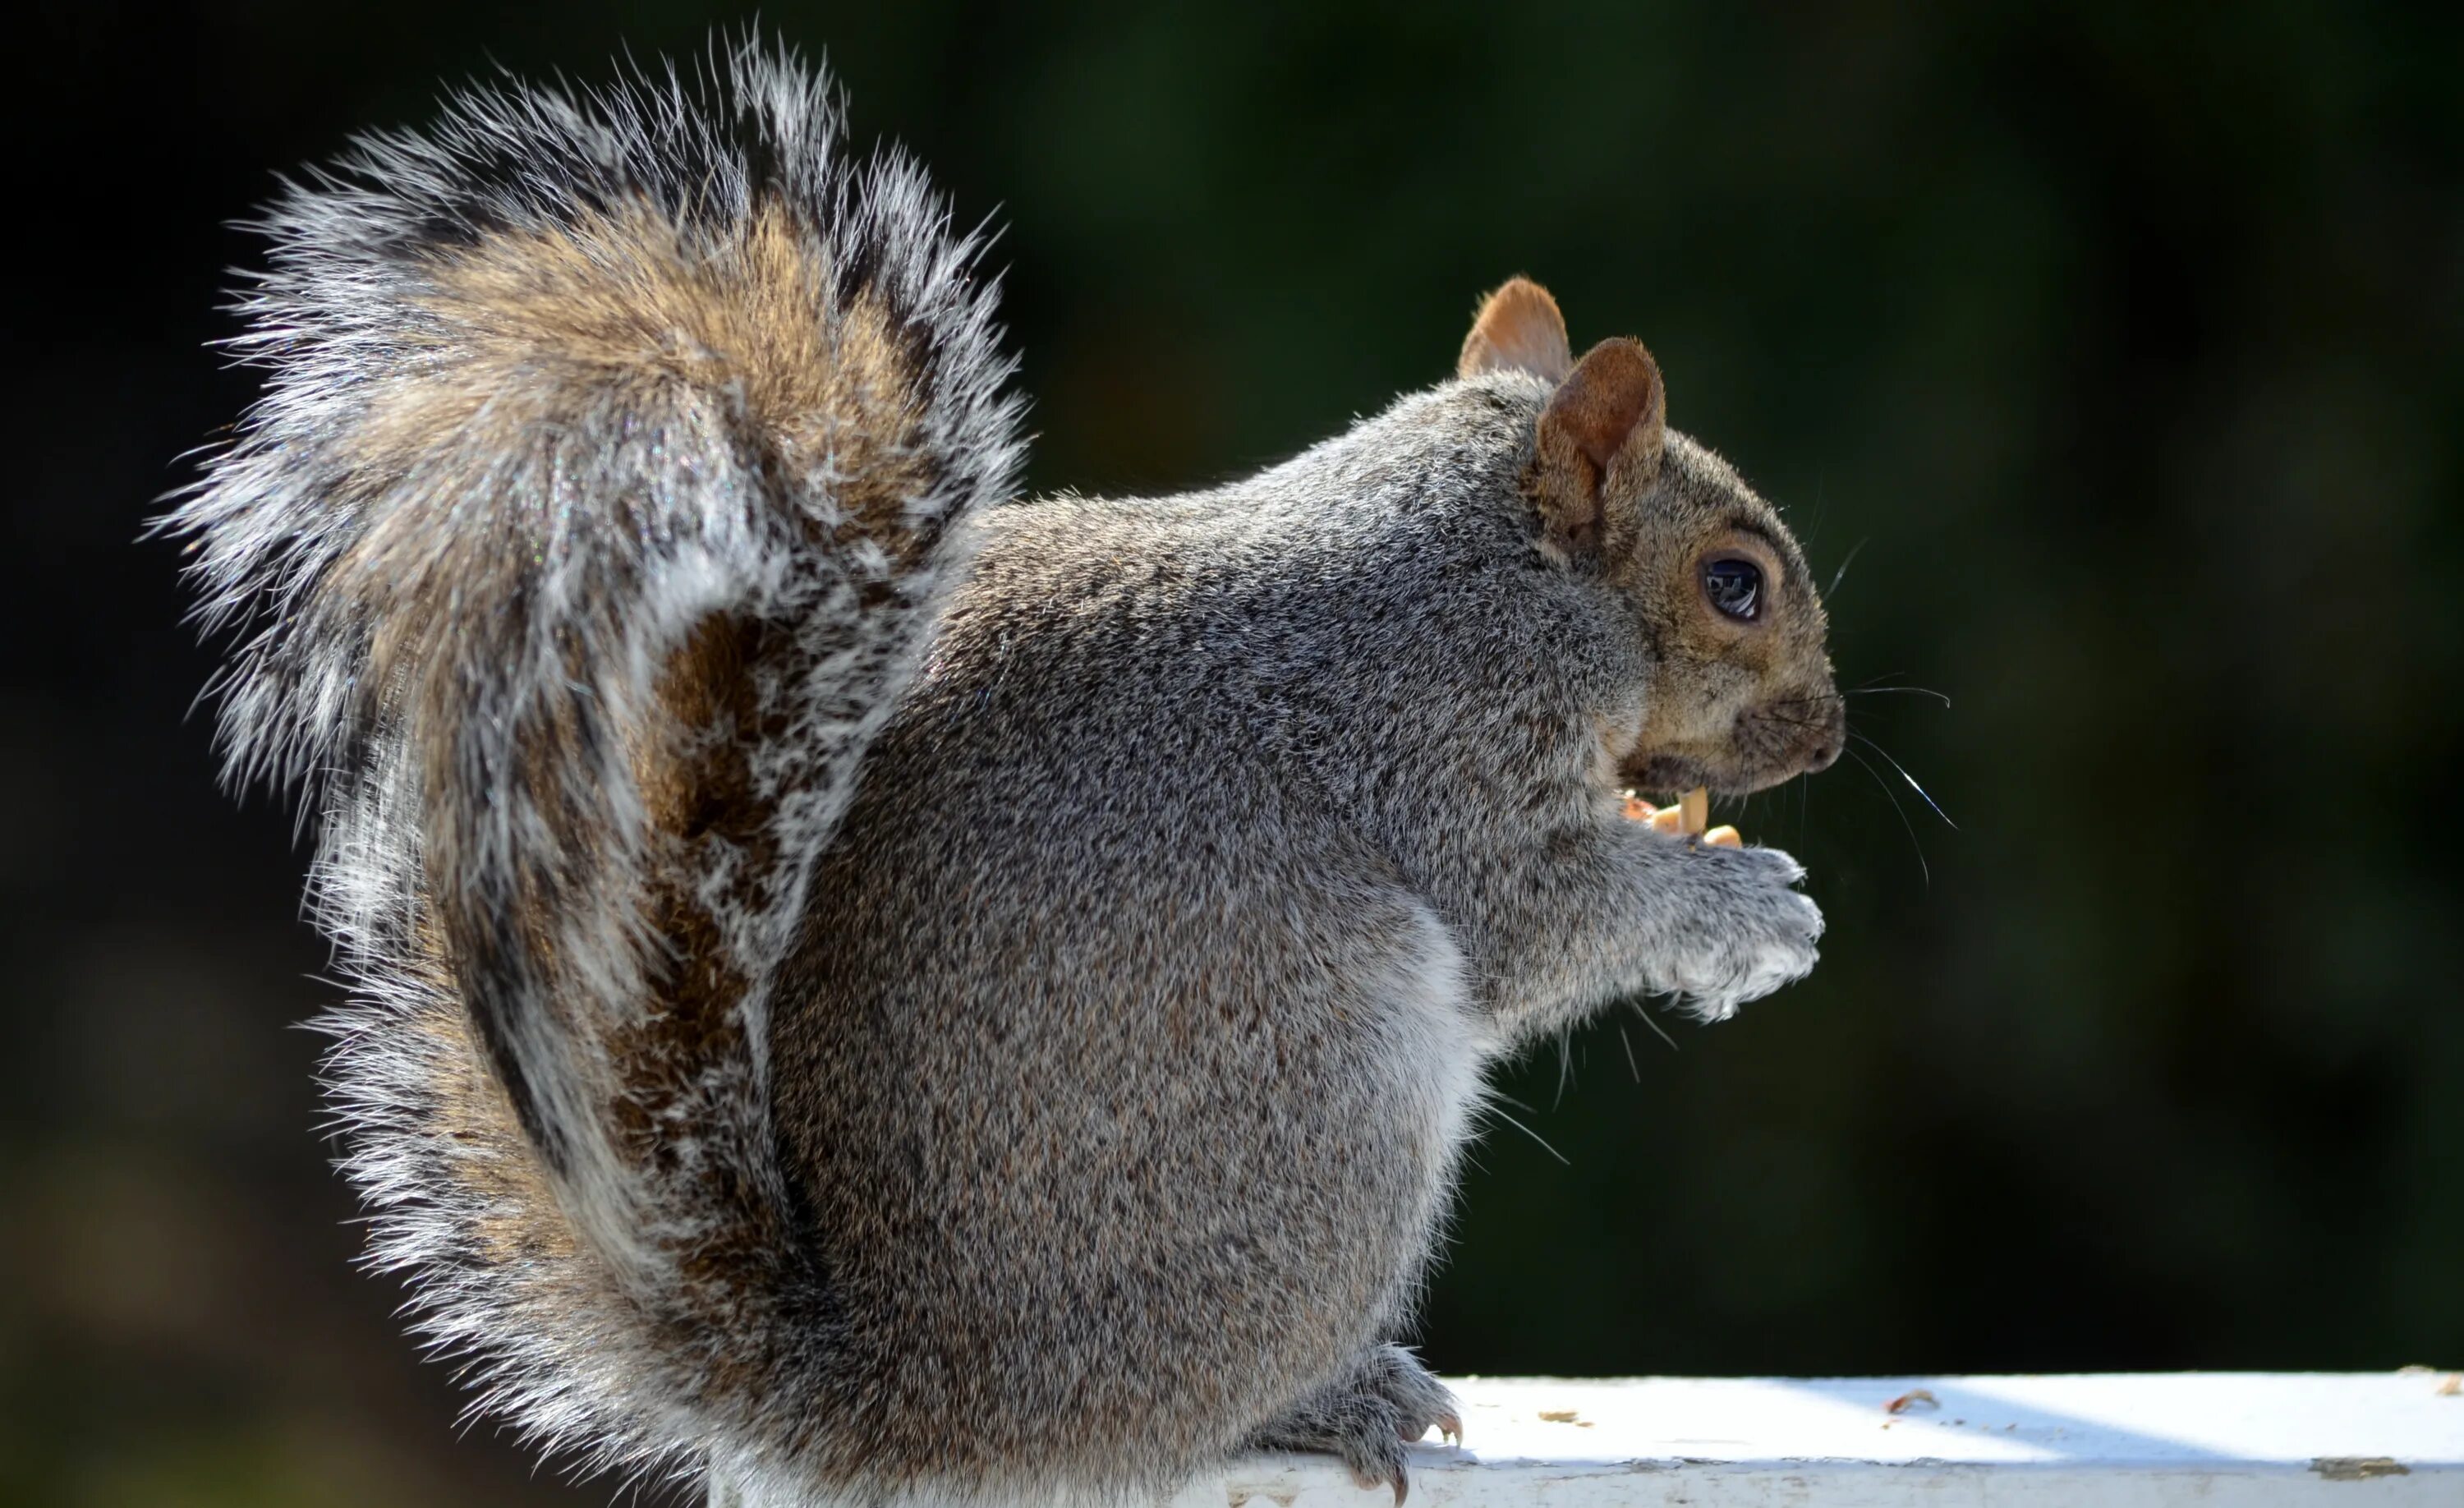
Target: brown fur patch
(700,793)
(472,1115)
(751,313)
(697,792)
(622,304)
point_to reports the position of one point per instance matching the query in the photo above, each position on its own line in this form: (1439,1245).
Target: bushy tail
(597,510)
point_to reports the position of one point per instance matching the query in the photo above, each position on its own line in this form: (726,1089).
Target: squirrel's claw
(1399,1480)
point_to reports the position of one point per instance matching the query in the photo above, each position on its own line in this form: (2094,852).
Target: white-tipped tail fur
(598,508)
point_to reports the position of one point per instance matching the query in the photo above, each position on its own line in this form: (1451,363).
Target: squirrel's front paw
(1385,1402)
(1747,932)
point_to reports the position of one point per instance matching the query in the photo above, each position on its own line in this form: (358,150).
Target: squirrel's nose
(1831,740)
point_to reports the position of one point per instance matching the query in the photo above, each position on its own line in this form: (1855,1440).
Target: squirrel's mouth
(1756,761)
(1669,775)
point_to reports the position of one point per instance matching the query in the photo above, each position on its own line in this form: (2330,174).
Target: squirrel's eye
(1735,587)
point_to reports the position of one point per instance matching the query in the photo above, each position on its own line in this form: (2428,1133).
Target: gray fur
(927,1002)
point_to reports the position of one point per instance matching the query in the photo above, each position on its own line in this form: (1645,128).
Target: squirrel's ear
(1518,328)
(1600,440)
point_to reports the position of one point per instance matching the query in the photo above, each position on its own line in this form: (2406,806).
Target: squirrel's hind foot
(1386,1401)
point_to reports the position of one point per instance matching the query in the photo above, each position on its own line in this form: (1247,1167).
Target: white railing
(2215,1439)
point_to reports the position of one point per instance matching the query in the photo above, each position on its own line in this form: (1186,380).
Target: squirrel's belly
(1092,1202)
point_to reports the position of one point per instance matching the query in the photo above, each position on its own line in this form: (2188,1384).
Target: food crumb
(1561,1415)
(1913,1398)
(2453,1387)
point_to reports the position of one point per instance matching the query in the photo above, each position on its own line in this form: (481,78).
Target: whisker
(1528,1131)
(1911,779)
(1841,574)
(1923,868)
(1655,1026)
(1631,1067)
(1787,722)
(1814,530)
(1908,691)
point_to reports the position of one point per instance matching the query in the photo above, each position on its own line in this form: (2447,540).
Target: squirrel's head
(1738,692)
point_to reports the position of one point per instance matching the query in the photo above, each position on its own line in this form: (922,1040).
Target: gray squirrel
(878,992)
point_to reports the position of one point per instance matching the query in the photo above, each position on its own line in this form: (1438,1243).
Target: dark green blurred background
(2121,349)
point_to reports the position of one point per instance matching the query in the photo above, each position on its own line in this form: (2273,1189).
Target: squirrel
(865,989)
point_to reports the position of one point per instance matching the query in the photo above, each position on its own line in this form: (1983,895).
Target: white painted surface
(2128,1441)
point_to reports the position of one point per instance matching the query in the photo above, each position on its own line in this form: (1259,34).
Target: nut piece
(1639,810)
(1669,820)
(1724,837)
(1696,805)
